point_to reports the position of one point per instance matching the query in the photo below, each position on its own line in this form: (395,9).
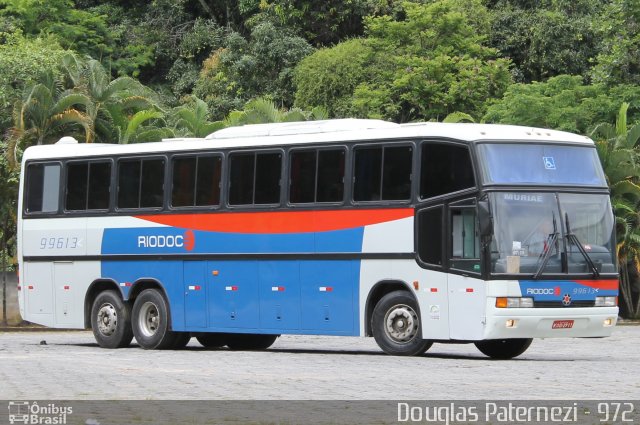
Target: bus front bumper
(550,322)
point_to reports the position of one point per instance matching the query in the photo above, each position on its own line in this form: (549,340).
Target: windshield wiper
(551,241)
(571,238)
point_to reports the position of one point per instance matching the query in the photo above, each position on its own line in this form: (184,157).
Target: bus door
(434,294)
(467,298)
(195,294)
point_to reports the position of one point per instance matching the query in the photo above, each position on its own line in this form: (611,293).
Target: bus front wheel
(111,320)
(151,321)
(396,325)
(503,349)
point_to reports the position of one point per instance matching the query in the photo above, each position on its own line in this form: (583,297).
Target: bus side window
(255,178)
(382,173)
(141,183)
(43,183)
(445,169)
(430,225)
(465,241)
(316,176)
(87,186)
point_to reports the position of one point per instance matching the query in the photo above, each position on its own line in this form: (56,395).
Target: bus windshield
(540,233)
(511,163)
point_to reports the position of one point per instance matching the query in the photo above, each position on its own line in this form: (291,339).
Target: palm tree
(262,111)
(619,150)
(142,127)
(38,114)
(106,102)
(191,119)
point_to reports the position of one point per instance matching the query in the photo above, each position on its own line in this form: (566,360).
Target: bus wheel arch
(376,293)
(95,288)
(396,324)
(151,316)
(110,316)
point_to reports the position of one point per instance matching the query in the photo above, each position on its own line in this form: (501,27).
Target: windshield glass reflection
(531,234)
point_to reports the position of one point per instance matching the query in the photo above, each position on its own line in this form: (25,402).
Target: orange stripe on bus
(280,222)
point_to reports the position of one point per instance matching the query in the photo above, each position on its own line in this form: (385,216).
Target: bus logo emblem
(549,162)
(189,240)
(566,300)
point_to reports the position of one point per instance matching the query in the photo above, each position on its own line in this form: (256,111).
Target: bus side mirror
(484,218)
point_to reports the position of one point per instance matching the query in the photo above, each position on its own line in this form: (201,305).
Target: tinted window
(77,179)
(382,173)
(43,182)
(541,164)
(88,186)
(268,170)
(196,181)
(255,178)
(445,169)
(317,176)
(140,183)
(99,185)
(430,228)
(241,179)
(303,177)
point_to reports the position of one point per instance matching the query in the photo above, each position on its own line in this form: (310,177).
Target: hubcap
(401,323)
(107,319)
(148,319)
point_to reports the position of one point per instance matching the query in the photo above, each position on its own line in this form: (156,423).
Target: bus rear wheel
(151,321)
(503,349)
(396,325)
(111,320)
(250,341)
(212,340)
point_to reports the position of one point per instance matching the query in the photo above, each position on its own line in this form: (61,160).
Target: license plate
(562,324)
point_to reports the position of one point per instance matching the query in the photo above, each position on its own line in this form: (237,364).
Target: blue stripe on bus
(249,296)
(170,240)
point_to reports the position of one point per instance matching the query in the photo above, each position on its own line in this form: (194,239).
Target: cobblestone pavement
(72,366)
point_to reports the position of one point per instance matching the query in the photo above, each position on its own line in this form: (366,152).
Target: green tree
(563,103)
(79,30)
(23,61)
(547,38)
(190,119)
(619,58)
(104,102)
(425,66)
(619,150)
(263,111)
(261,65)
(39,115)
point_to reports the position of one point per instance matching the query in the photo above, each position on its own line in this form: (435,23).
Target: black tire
(212,340)
(151,322)
(504,349)
(181,340)
(250,341)
(111,320)
(396,325)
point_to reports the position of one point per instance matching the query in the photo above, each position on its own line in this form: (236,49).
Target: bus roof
(308,132)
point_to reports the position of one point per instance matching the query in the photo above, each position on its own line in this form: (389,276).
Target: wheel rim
(148,319)
(401,323)
(107,319)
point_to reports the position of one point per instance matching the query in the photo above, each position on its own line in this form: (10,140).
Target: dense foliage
(120,71)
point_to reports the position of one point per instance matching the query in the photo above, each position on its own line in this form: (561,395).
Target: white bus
(412,234)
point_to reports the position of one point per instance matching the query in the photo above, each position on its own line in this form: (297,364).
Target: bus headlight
(514,302)
(606,301)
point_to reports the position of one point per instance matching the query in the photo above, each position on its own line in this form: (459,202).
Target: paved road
(72,366)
